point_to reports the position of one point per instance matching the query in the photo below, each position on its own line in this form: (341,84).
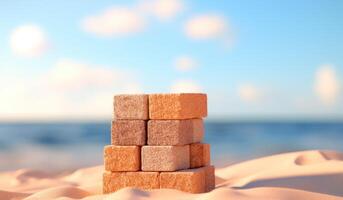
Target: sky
(266,59)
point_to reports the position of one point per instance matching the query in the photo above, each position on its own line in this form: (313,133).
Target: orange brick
(113,181)
(175,132)
(122,158)
(177,106)
(190,180)
(209,178)
(165,158)
(128,132)
(199,155)
(131,106)
(199,129)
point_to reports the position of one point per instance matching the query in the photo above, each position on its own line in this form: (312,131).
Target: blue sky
(255,59)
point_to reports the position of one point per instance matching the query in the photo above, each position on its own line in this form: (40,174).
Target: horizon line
(264,119)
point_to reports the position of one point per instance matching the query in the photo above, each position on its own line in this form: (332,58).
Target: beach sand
(299,175)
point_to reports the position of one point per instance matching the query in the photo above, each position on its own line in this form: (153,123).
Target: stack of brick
(156,142)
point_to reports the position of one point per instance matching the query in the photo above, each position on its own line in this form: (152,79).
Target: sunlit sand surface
(299,175)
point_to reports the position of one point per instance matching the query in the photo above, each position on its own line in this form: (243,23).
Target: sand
(312,175)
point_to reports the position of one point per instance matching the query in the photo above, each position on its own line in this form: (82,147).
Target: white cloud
(29,41)
(185,86)
(116,21)
(73,75)
(185,63)
(327,84)
(163,9)
(206,27)
(125,20)
(249,93)
(69,90)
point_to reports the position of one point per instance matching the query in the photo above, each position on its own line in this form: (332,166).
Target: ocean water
(60,146)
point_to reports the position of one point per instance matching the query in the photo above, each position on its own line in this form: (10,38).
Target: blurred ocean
(58,146)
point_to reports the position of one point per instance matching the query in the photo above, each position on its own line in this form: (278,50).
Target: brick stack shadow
(156,142)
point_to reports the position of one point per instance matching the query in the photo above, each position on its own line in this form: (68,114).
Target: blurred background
(273,72)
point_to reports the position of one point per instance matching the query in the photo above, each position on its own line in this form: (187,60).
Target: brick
(165,158)
(209,178)
(199,129)
(128,132)
(177,106)
(113,181)
(122,158)
(190,180)
(131,107)
(199,155)
(174,132)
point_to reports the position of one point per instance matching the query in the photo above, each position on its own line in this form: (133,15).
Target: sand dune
(56,192)
(299,175)
(12,195)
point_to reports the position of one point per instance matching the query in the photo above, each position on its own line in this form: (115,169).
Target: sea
(68,146)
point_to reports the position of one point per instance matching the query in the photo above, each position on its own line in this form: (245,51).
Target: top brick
(177,106)
(131,107)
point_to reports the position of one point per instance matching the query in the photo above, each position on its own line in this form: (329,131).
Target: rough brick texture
(177,106)
(199,130)
(199,155)
(122,158)
(165,158)
(113,181)
(128,132)
(131,107)
(175,132)
(191,180)
(209,178)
